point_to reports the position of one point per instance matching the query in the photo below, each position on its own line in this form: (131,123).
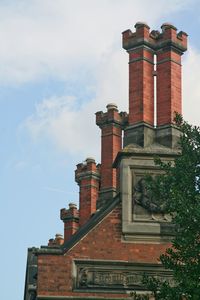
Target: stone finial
(111,106)
(141,24)
(57,241)
(90,160)
(167,25)
(72,205)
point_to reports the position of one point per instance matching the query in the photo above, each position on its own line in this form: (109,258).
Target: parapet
(88,168)
(154,39)
(69,214)
(112,116)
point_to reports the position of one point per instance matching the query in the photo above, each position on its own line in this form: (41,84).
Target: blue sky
(60,62)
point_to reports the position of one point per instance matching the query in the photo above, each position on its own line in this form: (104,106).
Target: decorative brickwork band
(87,175)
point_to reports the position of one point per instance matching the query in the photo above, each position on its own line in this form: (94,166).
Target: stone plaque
(115,276)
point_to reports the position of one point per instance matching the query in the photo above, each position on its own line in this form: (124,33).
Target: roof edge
(94,220)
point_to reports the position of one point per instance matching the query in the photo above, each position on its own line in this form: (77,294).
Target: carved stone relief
(142,218)
(115,276)
(144,205)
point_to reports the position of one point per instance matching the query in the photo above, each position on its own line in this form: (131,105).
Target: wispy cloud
(74,131)
(57,190)
(21,164)
(69,129)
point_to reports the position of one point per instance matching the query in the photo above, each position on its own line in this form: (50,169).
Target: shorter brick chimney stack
(87,175)
(111,124)
(70,217)
(57,241)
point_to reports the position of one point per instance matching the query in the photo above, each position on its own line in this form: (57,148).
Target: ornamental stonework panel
(105,276)
(142,218)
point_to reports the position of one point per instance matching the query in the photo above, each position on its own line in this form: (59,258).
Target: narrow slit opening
(155,90)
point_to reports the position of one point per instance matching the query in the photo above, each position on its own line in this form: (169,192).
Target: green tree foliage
(180,190)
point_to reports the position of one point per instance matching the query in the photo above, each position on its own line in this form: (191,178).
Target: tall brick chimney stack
(153,54)
(87,175)
(111,124)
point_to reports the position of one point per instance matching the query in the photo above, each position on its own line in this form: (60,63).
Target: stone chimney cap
(59,236)
(72,205)
(165,25)
(111,106)
(140,24)
(90,159)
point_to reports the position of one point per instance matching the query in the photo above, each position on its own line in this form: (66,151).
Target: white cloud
(69,129)
(191,88)
(68,36)
(74,131)
(57,38)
